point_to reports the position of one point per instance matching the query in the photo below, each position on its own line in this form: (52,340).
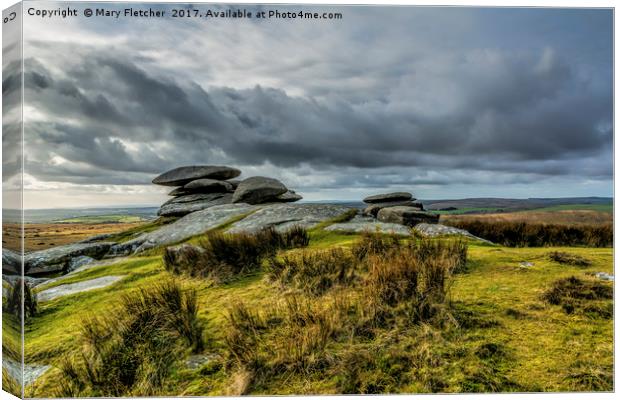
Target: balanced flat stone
(209,186)
(180,191)
(258,189)
(435,230)
(77,287)
(190,198)
(234,182)
(58,259)
(396,196)
(283,216)
(181,206)
(369,224)
(373,209)
(409,216)
(190,225)
(289,197)
(184,175)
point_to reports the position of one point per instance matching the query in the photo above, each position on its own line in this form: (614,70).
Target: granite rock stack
(203,186)
(399,208)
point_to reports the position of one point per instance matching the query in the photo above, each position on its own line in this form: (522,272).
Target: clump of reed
(130,351)
(530,234)
(221,256)
(569,259)
(574,294)
(314,272)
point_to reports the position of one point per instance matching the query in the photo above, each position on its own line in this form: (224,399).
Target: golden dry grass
(562,217)
(44,236)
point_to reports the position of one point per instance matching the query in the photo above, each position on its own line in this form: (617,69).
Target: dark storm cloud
(510,122)
(435,111)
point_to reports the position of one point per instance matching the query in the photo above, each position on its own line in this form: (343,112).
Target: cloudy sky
(442,102)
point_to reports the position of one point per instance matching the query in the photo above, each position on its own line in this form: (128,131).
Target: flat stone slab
(362,224)
(184,175)
(209,185)
(384,197)
(374,208)
(184,205)
(604,276)
(257,190)
(284,216)
(403,215)
(290,196)
(190,225)
(57,259)
(31,372)
(77,287)
(434,230)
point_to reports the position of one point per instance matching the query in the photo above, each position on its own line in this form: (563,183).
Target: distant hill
(501,204)
(473,205)
(57,215)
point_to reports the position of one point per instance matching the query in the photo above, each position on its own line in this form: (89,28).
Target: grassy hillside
(496,331)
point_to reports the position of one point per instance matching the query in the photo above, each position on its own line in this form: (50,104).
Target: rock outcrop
(77,287)
(202,187)
(59,259)
(11,262)
(284,216)
(435,230)
(258,189)
(409,216)
(380,201)
(369,224)
(183,205)
(190,225)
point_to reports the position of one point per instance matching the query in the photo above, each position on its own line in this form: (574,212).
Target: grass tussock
(374,243)
(531,234)
(406,282)
(395,285)
(590,378)
(222,256)
(569,259)
(574,294)
(289,338)
(131,350)
(313,272)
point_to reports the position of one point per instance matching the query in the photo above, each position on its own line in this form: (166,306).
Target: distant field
(469,210)
(608,208)
(100,219)
(566,217)
(44,236)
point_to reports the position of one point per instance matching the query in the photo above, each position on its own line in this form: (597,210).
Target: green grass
(100,219)
(508,338)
